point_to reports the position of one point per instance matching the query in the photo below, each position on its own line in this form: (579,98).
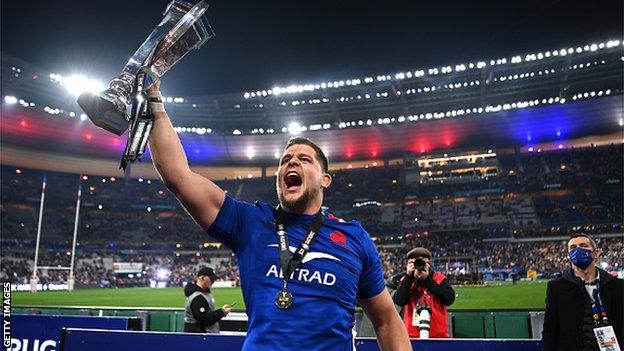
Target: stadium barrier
(75,339)
(515,324)
(42,333)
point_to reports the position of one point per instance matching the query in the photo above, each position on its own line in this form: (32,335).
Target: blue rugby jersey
(341,266)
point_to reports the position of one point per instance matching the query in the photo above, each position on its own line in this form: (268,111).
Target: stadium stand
(484,227)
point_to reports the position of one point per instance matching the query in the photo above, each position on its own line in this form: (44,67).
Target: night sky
(260,44)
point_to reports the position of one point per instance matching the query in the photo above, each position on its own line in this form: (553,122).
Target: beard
(297,205)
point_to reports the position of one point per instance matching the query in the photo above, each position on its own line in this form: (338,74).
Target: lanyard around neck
(289,264)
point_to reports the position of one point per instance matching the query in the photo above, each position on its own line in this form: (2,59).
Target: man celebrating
(200,313)
(425,295)
(584,303)
(301,269)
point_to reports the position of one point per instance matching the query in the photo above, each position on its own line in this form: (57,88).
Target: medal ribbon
(289,264)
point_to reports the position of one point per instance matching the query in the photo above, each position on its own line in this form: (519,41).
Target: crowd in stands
(470,225)
(454,254)
(97,268)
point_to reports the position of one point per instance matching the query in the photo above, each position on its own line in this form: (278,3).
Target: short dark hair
(320,155)
(591,241)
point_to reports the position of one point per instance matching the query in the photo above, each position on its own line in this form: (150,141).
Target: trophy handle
(141,120)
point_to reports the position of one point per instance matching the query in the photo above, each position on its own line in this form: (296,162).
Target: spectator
(584,298)
(201,313)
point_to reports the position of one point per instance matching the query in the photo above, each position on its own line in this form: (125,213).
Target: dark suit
(567,306)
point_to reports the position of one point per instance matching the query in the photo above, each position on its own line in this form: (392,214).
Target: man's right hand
(154,88)
(410,267)
(226,309)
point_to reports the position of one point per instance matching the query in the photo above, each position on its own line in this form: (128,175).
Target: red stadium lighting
(88,136)
(23,124)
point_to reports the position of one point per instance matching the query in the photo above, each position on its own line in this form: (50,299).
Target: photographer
(425,295)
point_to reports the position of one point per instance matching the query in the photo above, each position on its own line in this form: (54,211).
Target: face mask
(581,257)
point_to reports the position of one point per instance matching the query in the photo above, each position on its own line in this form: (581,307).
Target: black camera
(420,264)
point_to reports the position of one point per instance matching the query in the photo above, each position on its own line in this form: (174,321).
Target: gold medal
(283,299)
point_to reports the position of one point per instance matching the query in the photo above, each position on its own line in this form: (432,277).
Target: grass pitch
(525,295)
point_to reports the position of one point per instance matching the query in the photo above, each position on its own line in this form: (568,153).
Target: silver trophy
(182,29)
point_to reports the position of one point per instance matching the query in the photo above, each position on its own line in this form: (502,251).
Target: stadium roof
(263,44)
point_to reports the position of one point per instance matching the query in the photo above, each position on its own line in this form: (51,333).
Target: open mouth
(292,180)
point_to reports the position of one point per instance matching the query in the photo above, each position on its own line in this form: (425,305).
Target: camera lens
(420,264)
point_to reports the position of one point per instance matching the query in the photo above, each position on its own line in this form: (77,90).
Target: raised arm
(201,197)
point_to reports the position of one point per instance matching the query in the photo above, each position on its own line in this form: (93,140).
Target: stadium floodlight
(78,84)
(250,152)
(294,128)
(162,273)
(10,100)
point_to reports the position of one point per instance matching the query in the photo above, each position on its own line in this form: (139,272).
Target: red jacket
(419,295)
